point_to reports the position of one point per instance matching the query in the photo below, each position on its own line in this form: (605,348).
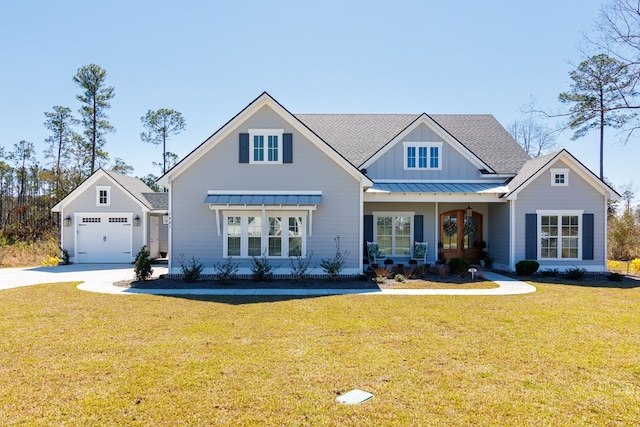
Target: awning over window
(264,199)
(415,187)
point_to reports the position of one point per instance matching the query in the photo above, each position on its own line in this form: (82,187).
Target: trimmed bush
(142,266)
(527,267)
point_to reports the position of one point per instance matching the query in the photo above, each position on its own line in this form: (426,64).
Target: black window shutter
(418,228)
(244,148)
(287,148)
(368,230)
(587,236)
(531,236)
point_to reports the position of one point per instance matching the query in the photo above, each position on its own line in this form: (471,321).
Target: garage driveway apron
(100,278)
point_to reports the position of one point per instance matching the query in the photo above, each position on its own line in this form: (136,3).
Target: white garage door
(103,238)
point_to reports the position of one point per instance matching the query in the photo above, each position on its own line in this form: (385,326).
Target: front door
(461,235)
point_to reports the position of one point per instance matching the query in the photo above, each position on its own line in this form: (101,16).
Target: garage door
(103,238)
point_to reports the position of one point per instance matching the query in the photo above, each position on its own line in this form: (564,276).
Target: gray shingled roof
(359,136)
(135,187)
(157,201)
(486,138)
(529,169)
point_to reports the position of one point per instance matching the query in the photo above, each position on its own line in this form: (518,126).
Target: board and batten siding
(578,195)
(391,164)
(193,224)
(120,202)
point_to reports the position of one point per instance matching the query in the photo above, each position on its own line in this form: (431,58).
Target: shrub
(550,272)
(51,261)
(441,270)
(226,271)
(334,266)
(142,266)
(613,265)
(300,266)
(381,272)
(615,277)
(191,269)
(527,267)
(575,273)
(65,256)
(458,266)
(399,278)
(261,269)
(634,267)
(380,279)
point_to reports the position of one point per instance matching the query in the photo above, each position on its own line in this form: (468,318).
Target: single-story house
(288,186)
(110,216)
(282,185)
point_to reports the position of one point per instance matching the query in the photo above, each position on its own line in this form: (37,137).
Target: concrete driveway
(100,278)
(91,274)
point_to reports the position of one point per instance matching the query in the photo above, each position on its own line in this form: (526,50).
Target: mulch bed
(164,283)
(353,283)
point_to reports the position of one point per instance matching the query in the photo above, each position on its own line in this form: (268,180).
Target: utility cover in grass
(354,397)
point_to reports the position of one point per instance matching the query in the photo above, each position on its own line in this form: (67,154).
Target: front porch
(466,225)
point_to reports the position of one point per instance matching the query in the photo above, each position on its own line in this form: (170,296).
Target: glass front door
(461,235)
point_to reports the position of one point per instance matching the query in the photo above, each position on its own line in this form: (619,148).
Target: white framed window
(103,196)
(394,232)
(559,177)
(276,234)
(422,155)
(560,235)
(265,146)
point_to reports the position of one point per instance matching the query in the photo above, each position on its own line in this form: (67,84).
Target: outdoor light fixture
(67,221)
(469,211)
(136,221)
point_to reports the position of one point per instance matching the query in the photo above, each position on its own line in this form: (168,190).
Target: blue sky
(209,59)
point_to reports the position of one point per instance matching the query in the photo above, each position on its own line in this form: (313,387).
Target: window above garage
(103,195)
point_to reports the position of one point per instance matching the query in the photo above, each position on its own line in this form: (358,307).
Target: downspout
(606,234)
(512,234)
(170,227)
(436,225)
(361,231)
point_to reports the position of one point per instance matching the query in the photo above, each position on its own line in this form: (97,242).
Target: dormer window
(103,196)
(559,177)
(265,146)
(422,155)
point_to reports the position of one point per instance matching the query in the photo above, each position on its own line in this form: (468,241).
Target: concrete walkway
(100,278)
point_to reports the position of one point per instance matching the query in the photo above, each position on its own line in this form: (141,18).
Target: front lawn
(564,355)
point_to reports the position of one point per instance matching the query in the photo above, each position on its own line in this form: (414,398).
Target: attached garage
(109,217)
(103,238)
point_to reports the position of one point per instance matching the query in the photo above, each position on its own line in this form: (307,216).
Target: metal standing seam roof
(438,188)
(263,199)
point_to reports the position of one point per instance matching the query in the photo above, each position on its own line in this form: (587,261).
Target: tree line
(74,149)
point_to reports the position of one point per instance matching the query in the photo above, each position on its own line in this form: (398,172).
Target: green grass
(563,356)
